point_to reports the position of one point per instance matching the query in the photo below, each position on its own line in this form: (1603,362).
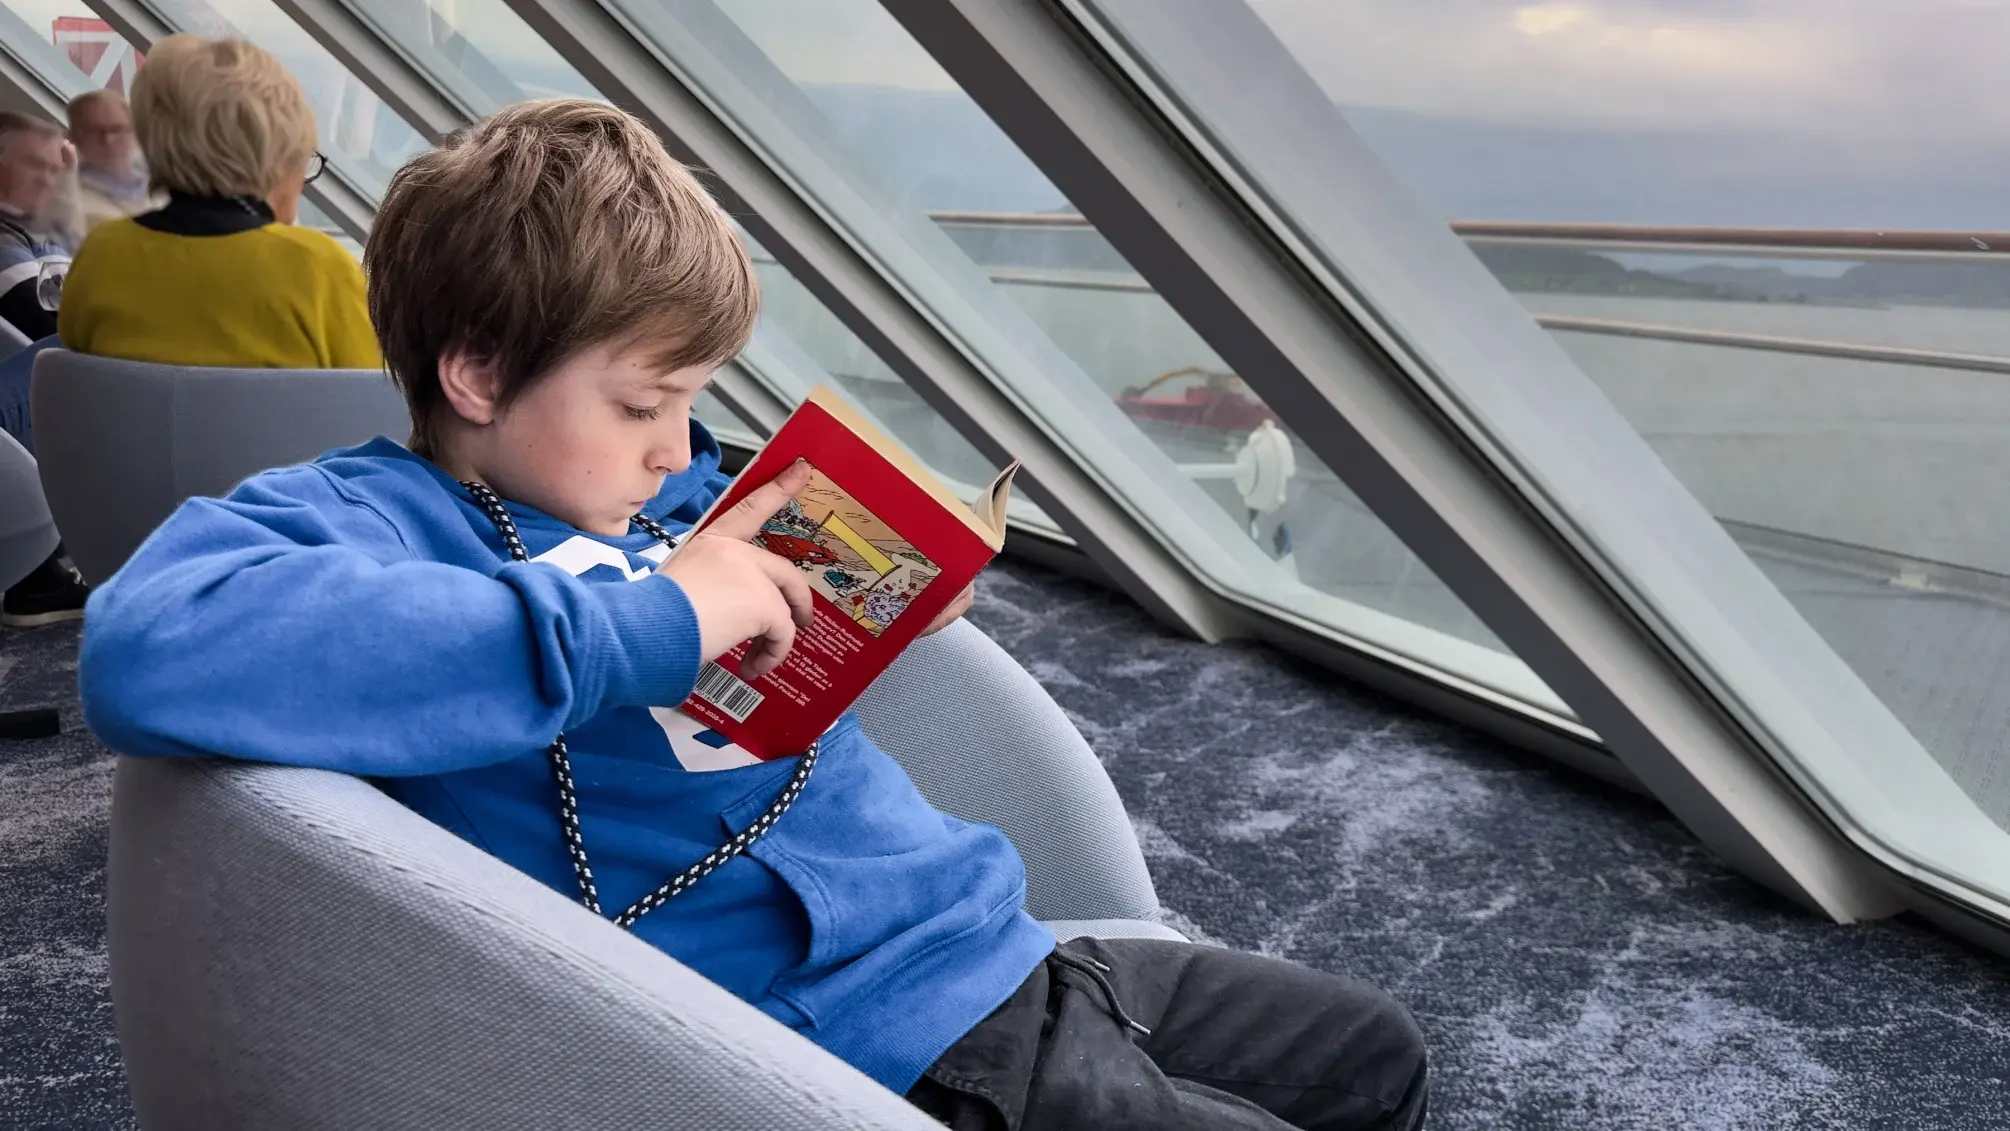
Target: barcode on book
(728,692)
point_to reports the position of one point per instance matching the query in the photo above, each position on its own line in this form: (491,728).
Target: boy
(551,291)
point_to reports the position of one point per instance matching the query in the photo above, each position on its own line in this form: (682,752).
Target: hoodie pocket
(883,877)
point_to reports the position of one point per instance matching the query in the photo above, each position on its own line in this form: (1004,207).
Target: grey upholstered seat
(27,537)
(291,948)
(122,443)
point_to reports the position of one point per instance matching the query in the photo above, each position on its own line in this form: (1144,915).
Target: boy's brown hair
(547,228)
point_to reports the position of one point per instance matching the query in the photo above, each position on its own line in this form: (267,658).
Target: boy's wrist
(659,640)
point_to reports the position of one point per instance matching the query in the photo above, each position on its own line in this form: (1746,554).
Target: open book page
(991,504)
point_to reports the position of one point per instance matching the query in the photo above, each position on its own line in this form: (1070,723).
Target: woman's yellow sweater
(275,296)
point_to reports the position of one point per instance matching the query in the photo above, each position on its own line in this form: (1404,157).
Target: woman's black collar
(187,215)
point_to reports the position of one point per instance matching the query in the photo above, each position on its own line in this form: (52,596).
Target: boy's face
(591,442)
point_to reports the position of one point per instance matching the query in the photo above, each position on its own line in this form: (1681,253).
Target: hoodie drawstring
(1094,971)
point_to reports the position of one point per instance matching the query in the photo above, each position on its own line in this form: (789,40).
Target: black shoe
(54,592)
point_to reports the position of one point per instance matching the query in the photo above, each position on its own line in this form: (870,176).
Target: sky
(1798,64)
(1835,113)
(1845,113)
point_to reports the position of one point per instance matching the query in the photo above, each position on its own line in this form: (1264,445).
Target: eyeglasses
(315,165)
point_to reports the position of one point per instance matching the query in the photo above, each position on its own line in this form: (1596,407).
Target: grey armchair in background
(122,443)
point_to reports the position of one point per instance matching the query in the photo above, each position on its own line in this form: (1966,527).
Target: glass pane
(90,53)
(481,41)
(858,372)
(1768,233)
(358,131)
(311,216)
(723,422)
(850,85)
(488,48)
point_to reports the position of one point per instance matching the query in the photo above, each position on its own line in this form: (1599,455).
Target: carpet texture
(1575,958)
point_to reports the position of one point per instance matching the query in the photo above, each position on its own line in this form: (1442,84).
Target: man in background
(34,163)
(111,178)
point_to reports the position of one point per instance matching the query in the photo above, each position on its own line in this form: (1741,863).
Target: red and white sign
(101,53)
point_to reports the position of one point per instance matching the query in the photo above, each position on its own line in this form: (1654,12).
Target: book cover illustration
(885,548)
(850,556)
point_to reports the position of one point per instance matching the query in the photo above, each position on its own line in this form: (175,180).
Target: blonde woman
(220,276)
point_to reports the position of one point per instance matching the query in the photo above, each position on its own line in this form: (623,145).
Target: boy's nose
(670,458)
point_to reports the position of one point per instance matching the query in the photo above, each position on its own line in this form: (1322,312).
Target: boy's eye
(636,413)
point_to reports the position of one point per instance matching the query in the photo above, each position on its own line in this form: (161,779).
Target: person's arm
(68,215)
(290,624)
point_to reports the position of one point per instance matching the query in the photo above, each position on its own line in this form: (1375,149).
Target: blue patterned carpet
(1575,957)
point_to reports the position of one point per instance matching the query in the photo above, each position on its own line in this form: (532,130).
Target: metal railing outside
(1848,245)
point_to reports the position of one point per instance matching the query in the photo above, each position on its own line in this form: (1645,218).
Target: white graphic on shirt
(696,754)
(578,554)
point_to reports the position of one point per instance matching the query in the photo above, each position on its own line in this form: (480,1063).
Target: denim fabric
(15,373)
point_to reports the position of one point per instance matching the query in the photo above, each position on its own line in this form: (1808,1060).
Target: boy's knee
(1410,1064)
(1384,1061)
(1400,1034)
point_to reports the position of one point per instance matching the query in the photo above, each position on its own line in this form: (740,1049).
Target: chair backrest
(123,443)
(27,536)
(291,948)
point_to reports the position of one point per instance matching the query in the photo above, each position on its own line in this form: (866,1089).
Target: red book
(884,546)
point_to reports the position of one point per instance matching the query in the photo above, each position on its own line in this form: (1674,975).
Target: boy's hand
(739,590)
(956,608)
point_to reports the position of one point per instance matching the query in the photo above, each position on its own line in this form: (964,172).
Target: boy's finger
(744,520)
(766,652)
(795,590)
(956,608)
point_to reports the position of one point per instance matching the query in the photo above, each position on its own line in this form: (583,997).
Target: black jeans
(1121,1034)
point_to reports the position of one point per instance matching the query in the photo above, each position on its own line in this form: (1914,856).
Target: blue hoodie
(360,614)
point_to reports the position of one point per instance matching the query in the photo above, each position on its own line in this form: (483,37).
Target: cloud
(837,41)
(1826,65)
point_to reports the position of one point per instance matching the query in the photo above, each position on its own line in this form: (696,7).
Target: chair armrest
(985,742)
(1065,929)
(292,948)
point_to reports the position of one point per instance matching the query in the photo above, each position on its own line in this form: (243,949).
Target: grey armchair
(291,948)
(122,443)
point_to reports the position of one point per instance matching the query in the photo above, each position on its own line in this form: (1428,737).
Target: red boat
(1216,402)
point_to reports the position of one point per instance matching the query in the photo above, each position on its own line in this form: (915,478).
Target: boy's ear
(470,385)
